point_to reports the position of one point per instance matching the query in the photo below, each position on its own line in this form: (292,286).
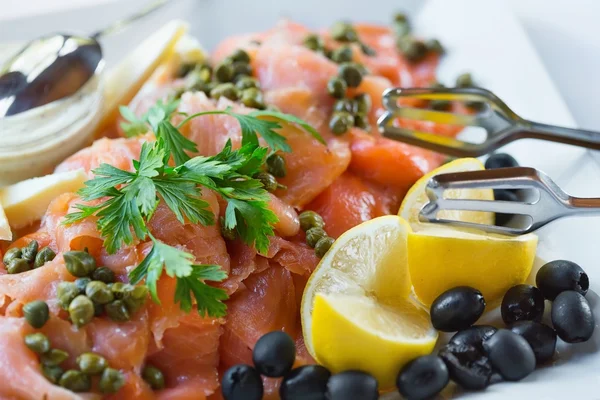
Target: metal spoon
(56,66)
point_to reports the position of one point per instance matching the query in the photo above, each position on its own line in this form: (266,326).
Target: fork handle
(553,133)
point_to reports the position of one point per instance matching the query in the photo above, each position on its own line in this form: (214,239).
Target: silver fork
(551,203)
(501,124)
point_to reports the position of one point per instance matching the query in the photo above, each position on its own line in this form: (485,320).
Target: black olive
(474,336)
(500,160)
(572,317)
(274,354)
(352,385)
(468,367)
(504,195)
(510,354)
(540,337)
(242,382)
(522,303)
(560,275)
(423,378)
(308,382)
(457,309)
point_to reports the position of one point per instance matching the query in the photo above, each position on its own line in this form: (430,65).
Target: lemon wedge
(356,312)
(5,231)
(440,257)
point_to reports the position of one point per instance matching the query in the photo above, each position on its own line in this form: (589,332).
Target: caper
(362,121)
(313,235)
(54,357)
(240,56)
(343,32)
(66,292)
(276,166)
(314,42)
(323,246)
(207,87)
(79,263)
(241,69)
(184,69)
(37,342)
(464,80)
(98,292)
(252,97)
(17,265)
(119,289)
(36,313)
(440,105)
(43,256)
(82,283)
(111,381)
(414,50)
(224,71)
(154,377)
(227,90)
(342,54)
(227,233)
(246,82)
(29,252)
(362,103)
(400,17)
(135,298)
(268,181)
(344,105)
(336,87)
(340,122)
(81,310)
(435,46)
(310,219)
(367,50)
(52,373)
(11,254)
(351,74)
(91,363)
(117,311)
(75,381)
(103,274)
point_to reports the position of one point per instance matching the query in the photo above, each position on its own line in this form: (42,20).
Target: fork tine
(503,230)
(391,96)
(504,178)
(496,206)
(439,117)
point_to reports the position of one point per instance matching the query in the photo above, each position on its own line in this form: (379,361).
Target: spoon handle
(122,23)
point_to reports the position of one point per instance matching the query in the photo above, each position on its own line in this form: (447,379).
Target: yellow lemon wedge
(441,257)
(356,312)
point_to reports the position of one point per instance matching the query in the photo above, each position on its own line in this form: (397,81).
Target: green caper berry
(81,310)
(342,54)
(351,74)
(52,373)
(336,87)
(276,166)
(75,381)
(154,377)
(103,274)
(11,254)
(362,103)
(362,121)
(66,292)
(17,265)
(246,82)
(323,246)
(135,298)
(54,357)
(36,313)
(79,263)
(43,256)
(117,311)
(91,363)
(241,69)
(343,32)
(29,252)
(111,381)
(37,342)
(435,46)
(465,80)
(224,71)
(98,292)
(367,50)
(400,17)
(240,56)
(119,289)
(414,50)
(310,219)
(341,122)
(344,105)
(440,105)
(268,181)
(227,90)
(314,42)
(252,97)
(81,284)
(184,69)
(313,235)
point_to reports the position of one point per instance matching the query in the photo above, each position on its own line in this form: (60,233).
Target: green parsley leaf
(253,221)
(292,119)
(209,300)
(136,126)
(174,142)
